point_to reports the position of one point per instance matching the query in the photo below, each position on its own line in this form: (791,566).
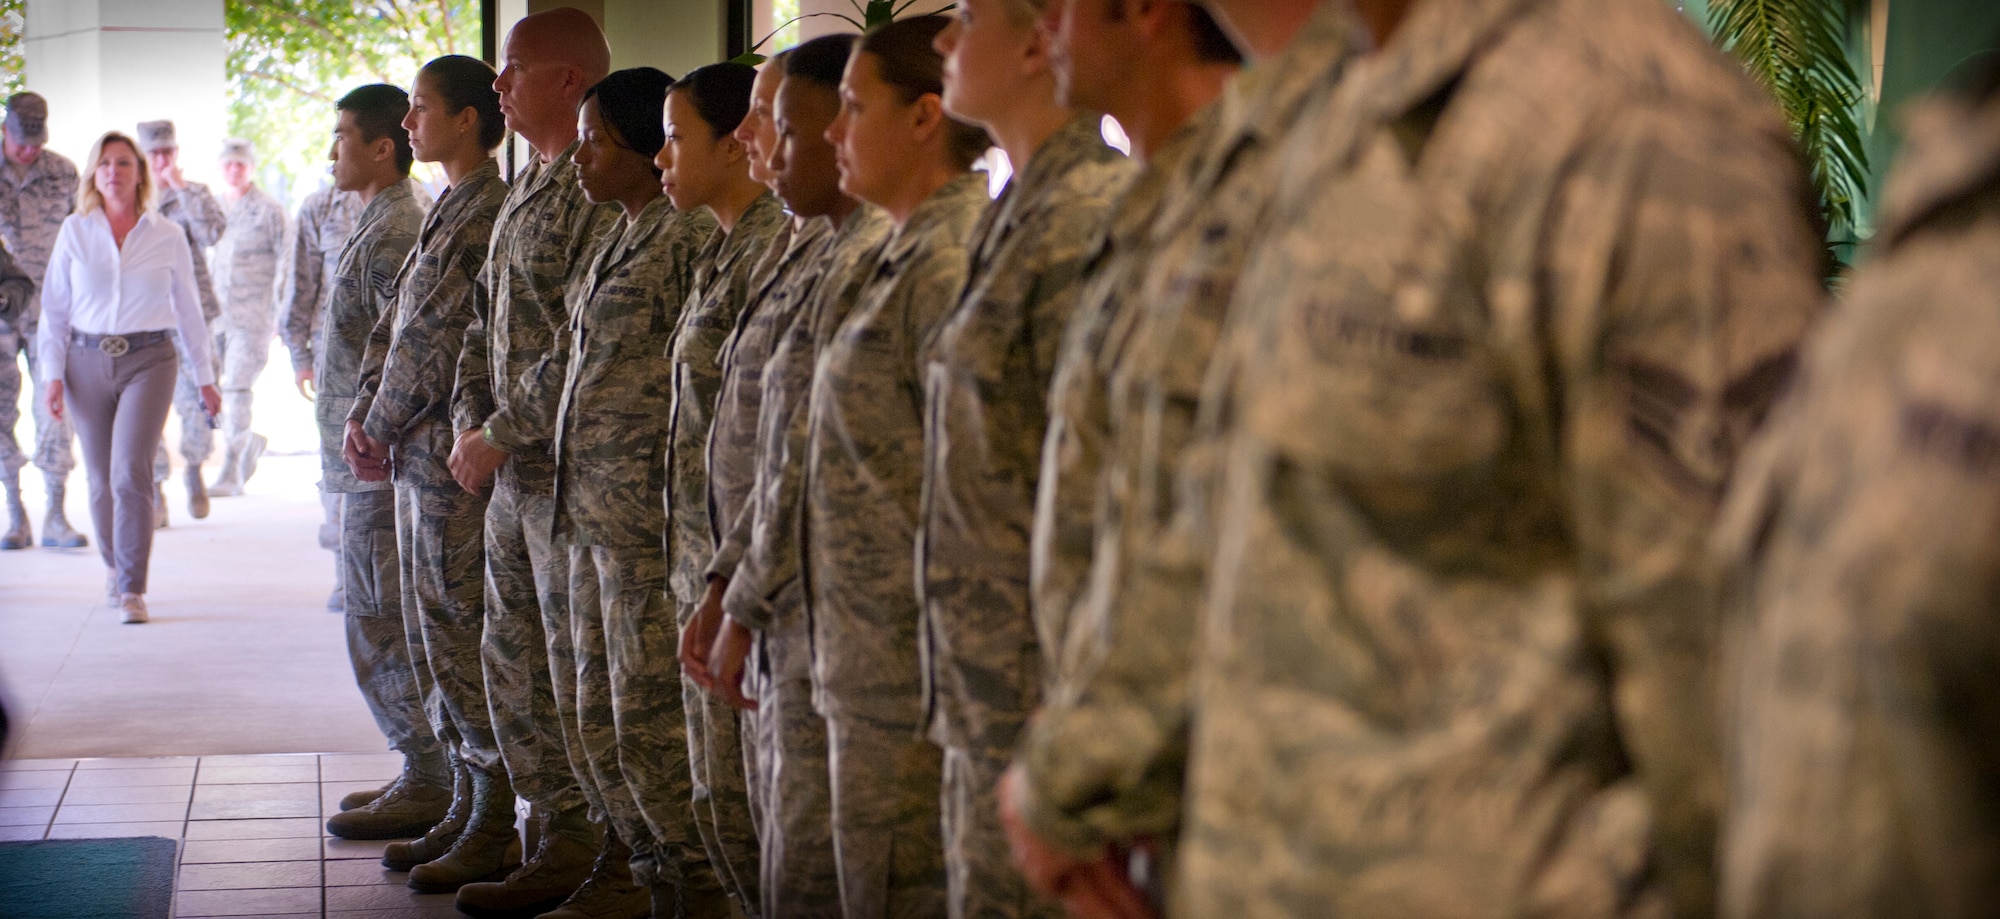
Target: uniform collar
(947,201)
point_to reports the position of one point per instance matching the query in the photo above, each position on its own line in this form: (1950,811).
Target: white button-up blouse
(95,286)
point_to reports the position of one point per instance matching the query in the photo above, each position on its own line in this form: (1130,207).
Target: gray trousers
(119,406)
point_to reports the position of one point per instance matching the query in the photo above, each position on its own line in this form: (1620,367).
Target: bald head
(551,59)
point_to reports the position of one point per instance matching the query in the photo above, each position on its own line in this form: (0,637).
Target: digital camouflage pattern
(33,202)
(724,275)
(324,222)
(17,294)
(1866,526)
(378,648)
(985,386)
(510,381)
(732,454)
(1537,269)
(362,289)
(864,475)
(1060,537)
(799,875)
(864,463)
(198,213)
(403,396)
(1104,761)
(611,445)
(403,393)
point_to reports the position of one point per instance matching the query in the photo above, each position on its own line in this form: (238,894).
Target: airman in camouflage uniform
(245,261)
(863,479)
(403,398)
(34,199)
(510,386)
(1867,525)
(323,224)
(1537,270)
(612,450)
(1103,762)
(363,290)
(767,592)
(194,207)
(985,382)
(723,285)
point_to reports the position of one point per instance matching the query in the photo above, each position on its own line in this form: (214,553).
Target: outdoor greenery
(12,64)
(1798,49)
(291,60)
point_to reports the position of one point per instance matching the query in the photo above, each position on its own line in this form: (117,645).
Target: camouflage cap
(154,135)
(238,150)
(28,119)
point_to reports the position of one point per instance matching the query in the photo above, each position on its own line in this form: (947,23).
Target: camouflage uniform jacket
(1104,758)
(985,384)
(17,289)
(613,425)
(722,288)
(511,377)
(1867,525)
(864,463)
(246,259)
(769,578)
(1059,543)
(32,207)
(197,211)
(732,441)
(1538,267)
(363,290)
(324,222)
(415,351)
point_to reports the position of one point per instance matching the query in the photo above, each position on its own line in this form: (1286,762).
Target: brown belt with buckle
(115,345)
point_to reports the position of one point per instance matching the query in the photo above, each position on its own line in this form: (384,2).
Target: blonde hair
(88,198)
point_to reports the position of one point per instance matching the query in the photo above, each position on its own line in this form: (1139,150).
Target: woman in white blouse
(120,281)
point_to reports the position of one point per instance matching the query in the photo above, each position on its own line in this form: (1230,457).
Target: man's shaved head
(550,60)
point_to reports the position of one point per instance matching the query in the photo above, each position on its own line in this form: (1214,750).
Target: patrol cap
(154,135)
(28,119)
(238,150)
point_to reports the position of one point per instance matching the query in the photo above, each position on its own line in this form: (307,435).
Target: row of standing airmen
(244,237)
(1348,485)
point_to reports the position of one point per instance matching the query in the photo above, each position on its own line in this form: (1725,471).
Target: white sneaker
(134,606)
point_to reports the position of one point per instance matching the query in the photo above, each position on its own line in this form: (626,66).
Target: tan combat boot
(56,531)
(197,495)
(410,806)
(559,866)
(486,849)
(18,535)
(403,856)
(609,892)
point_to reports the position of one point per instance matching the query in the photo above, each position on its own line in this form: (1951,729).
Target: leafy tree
(13,65)
(291,60)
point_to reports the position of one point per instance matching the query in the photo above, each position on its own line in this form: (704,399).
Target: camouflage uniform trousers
(630,717)
(245,348)
(197,440)
(54,455)
(887,830)
(440,559)
(528,638)
(792,792)
(720,742)
(377,643)
(984,883)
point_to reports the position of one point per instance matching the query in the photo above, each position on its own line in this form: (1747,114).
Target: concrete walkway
(241,656)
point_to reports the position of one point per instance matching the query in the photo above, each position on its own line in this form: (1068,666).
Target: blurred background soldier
(192,206)
(246,270)
(1867,524)
(37,190)
(324,221)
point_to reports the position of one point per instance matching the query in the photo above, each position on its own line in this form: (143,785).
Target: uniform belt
(115,345)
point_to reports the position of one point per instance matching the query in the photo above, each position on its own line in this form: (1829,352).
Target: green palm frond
(1798,50)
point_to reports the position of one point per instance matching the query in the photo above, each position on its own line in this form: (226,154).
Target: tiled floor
(251,828)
